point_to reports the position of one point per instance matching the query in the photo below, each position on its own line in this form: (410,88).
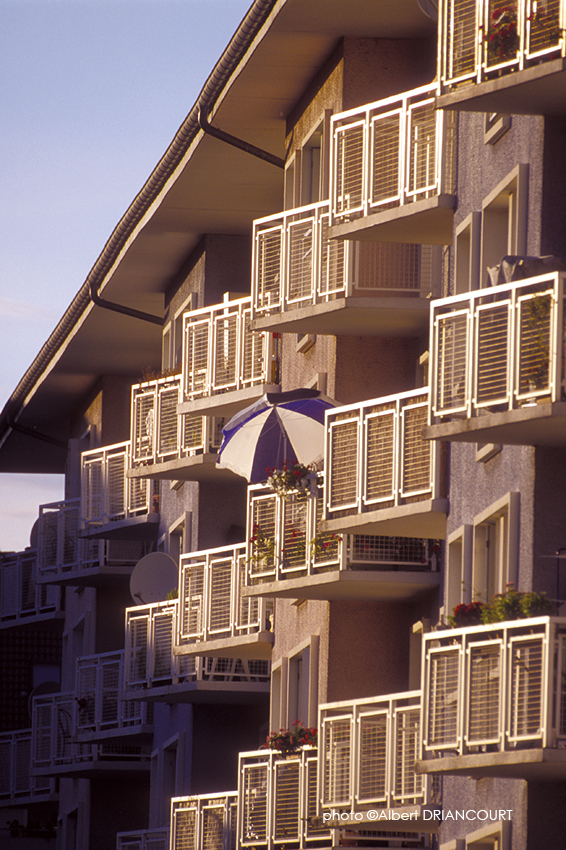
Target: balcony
(290,556)
(169,445)
(154,672)
(22,599)
(497,367)
(494,699)
(17,785)
(215,617)
(305,282)
(114,506)
(278,802)
(63,557)
(101,712)
(382,477)
(393,170)
(226,365)
(368,750)
(485,70)
(207,821)
(143,839)
(57,749)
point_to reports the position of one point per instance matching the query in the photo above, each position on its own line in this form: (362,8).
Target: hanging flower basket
(289,741)
(291,478)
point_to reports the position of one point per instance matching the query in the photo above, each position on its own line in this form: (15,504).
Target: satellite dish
(34,535)
(42,690)
(153,578)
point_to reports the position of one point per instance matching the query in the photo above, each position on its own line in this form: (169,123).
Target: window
(495,836)
(459,556)
(504,221)
(467,254)
(294,686)
(179,535)
(496,125)
(496,548)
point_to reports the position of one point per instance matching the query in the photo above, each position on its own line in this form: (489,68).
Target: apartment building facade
(364,203)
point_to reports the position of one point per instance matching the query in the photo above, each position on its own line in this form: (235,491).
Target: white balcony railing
(21,597)
(151,662)
(212,607)
(55,744)
(495,688)
(376,457)
(499,348)
(100,707)
(206,821)
(480,40)
(143,839)
(367,752)
(107,494)
(296,265)
(222,354)
(16,780)
(390,154)
(285,541)
(159,433)
(62,555)
(278,800)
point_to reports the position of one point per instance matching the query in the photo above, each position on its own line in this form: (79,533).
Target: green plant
(516,605)
(536,316)
(324,546)
(288,741)
(292,477)
(262,545)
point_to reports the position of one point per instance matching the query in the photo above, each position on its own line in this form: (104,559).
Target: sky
(91,94)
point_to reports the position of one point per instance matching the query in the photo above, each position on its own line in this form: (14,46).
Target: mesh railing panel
(383,266)
(220,597)
(116,485)
(168,433)
(343,453)
(253,787)
(336,759)
(443,699)
(416,451)
(295,543)
(213,828)
(407,785)
(144,415)
(184,835)
(543,26)
(301,255)
(193,601)
(380,466)
(452,362)
(526,721)
(372,769)
(386,152)
(333,262)
(197,354)
(349,165)
(484,704)
(264,512)
(422,151)
(492,353)
(286,790)
(535,328)
(225,352)
(268,267)
(503,35)
(461,37)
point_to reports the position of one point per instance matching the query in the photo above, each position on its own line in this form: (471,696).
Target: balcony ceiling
(216,189)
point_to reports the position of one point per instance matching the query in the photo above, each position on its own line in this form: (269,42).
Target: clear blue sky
(91,94)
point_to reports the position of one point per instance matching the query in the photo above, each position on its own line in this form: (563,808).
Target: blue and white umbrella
(278,427)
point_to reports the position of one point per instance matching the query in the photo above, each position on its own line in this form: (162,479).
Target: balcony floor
(389,316)
(144,527)
(198,468)
(213,692)
(538,90)
(125,734)
(536,764)
(427,222)
(87,769)
(535,425)
(257,645)
(376,585)
(227,404)
(93,577)
(418,519)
